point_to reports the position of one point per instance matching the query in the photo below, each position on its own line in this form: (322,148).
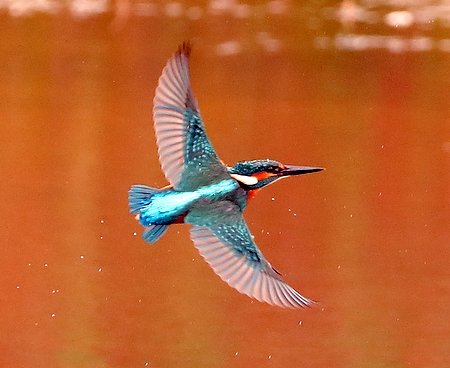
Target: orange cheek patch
(262,175)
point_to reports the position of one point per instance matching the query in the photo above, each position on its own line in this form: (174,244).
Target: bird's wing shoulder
(225,242)
(185,151)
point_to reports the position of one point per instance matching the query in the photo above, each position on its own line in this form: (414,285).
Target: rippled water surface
(361,88)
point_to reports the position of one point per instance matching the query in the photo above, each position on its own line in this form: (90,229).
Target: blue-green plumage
(163,207)
(207,194)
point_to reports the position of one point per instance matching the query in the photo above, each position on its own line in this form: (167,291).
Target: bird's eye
(277,169)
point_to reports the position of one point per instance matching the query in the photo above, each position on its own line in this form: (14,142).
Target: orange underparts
(179,220)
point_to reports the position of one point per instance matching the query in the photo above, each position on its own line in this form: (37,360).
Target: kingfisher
(207,194)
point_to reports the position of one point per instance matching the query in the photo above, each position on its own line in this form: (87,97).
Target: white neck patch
(244,179)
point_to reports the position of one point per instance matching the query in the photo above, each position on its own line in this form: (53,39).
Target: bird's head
(256,174)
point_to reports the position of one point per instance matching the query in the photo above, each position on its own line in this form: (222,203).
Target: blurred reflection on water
(394,25)
(368,238)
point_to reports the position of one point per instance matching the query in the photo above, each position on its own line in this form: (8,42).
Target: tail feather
(139,196)
(153,232)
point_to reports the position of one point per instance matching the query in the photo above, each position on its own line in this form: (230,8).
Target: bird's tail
(140,196)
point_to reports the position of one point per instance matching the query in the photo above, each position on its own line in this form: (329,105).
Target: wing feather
(179,128)
(236,265)
(170,102)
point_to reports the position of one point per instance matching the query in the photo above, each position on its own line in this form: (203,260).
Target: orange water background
(369,238)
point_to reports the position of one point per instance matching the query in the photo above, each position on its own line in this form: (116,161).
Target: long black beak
(299,170)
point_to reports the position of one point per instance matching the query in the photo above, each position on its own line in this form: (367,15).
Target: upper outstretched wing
(229,249)
(185,151)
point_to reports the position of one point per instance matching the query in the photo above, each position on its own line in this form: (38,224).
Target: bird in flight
(207,194)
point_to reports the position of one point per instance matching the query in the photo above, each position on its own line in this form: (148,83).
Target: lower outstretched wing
(229,249)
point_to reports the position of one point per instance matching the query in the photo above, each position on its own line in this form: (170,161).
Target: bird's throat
(251,193)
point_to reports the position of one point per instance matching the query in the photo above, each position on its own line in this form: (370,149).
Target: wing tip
(185,48)
(263,284)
